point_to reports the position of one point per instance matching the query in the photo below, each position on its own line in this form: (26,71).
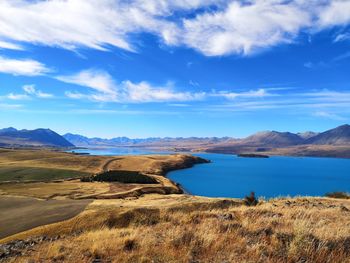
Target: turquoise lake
(232,176)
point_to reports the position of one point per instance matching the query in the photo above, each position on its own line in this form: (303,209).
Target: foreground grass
(192,229)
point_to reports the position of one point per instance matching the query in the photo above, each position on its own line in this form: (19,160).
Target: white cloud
(13,96)
(335,13)
(30,89)
(74,23)
(328,115)
(342,37)
(76,95)
(106,89)
(97,80)
(8,45)
(25,67)
(260,93)
(144,92)
(220,28)
(10,106)
(29,92)
(243,28)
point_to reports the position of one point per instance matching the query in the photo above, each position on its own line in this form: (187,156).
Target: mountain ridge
(264,138)
(11,137)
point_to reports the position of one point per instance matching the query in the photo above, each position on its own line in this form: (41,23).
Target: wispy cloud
(24,67)
(97,80)
(9,45)
(13,96)
(342,37)
(144,92)
(260,93)
(328,115)
(335,103)
(7,106)
(108,90)
(29,92)
(230,27)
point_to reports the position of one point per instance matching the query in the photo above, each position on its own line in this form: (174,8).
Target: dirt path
(18,214)
(105,166)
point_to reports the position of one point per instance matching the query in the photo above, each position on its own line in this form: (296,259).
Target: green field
(9,173)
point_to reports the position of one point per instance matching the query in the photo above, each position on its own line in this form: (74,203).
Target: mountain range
(336,136)
(11,137)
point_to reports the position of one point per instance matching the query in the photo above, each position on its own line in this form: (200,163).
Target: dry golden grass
(68,189)
(18,213)
(51,159)
(38,164)
(181,228)
(31,163)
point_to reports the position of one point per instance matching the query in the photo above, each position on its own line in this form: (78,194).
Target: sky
(181,68)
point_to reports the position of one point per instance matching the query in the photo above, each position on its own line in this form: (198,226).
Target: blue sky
(140,68)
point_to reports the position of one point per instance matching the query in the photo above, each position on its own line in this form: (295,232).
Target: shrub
(130,245)
(340,195)
(87,179)
(251,200)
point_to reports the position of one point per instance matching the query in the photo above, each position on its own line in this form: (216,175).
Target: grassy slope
(22,213)
(181,228)
(18,173)
(73,189)
(51,159)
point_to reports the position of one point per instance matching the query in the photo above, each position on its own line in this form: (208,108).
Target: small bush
(87,179)
(251,200)
(130,245)
(340,195)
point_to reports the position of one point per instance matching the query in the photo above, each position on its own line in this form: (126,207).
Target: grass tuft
(340,195)
(251,200)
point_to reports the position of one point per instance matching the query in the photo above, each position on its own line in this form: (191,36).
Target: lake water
(118,151)
(231,176)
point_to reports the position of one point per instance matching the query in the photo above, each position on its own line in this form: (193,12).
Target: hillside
(307,135)
(337,136)
(11,137)
(272,138)
(182,228)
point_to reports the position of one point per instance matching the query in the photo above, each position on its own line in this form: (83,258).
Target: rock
(345,209)
(225,217)
(18,247)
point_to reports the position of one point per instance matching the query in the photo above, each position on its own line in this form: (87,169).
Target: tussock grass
(193,229)
(340,195)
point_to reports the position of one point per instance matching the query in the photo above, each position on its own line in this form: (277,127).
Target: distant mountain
(307,135)
(82,141)
(337,136)
(272,139)
(11,137)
